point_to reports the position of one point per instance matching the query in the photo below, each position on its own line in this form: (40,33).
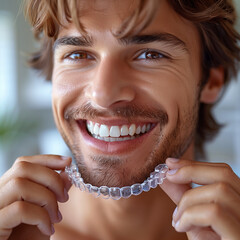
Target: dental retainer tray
(156,177)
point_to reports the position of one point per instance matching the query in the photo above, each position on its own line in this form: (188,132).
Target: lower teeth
(114,139)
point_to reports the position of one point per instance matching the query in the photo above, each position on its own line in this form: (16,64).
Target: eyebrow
(165,38)
(86,41)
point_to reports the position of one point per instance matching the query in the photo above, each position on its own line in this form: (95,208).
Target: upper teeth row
(116,131)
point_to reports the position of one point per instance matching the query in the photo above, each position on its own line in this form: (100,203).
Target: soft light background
(25,101)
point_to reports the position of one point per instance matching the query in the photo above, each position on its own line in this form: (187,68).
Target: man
(133,86)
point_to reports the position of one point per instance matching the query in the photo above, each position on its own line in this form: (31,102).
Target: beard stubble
(111,171)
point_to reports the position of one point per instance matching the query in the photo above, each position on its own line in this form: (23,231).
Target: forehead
(105,17)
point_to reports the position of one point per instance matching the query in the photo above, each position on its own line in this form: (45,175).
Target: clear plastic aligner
(116,193)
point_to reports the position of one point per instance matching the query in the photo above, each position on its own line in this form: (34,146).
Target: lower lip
(117,147)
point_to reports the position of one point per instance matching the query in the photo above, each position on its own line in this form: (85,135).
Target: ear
(213,87)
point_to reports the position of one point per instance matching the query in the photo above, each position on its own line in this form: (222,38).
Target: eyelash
(151,51)
(68,56)
(143,52)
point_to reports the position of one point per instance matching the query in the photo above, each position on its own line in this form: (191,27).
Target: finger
(55,162)
(209,215)
(38,174)
(204,174)
(20,189)
(26,232)
(219,193)
(23,212)
(174,163)
(174,191)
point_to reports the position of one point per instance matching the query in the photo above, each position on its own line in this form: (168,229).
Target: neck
(139,217)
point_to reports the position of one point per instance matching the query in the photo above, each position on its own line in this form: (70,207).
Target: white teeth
(113,139)
(103,131)
(138,131)
(143,128)
(96,129)
(124,130)
(132,129)
(115,131)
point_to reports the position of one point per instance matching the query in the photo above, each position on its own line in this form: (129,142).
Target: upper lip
(117,122)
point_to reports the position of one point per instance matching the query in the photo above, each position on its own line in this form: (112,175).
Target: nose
(111,84)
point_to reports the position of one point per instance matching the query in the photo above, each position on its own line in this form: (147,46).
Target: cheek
(175,90)
(67,91)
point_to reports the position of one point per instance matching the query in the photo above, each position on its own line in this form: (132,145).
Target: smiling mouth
(117,133)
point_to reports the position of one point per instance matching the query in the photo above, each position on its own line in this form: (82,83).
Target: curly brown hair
(214,19)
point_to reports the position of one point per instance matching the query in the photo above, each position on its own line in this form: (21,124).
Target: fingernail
(173,223)
(59,216)
(175,212)
(174,160)
(172,171)
(177,224)
(64,158)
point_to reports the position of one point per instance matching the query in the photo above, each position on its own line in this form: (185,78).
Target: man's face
(138,95)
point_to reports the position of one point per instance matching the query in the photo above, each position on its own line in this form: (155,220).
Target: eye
(151,55)
(76,56)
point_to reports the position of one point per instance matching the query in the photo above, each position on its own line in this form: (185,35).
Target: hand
(210,211)
(29,193)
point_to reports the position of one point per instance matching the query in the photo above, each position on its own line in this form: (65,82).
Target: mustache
(130,112)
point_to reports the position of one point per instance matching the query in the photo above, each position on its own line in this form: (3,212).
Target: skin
(115,79)
(108,88)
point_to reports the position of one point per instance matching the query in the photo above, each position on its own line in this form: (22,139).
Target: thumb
(173,190)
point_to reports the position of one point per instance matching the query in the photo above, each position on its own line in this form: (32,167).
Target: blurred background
(26,122)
